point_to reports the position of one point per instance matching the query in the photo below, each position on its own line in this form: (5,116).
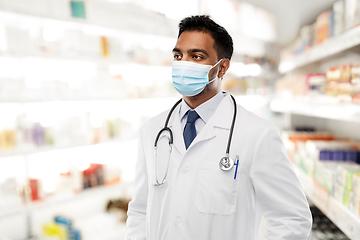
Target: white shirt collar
(205,110)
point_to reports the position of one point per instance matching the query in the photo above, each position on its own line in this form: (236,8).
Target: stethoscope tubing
(166,128)
(232,126)
(171,140)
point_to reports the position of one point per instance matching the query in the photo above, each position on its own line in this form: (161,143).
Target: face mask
(191,78)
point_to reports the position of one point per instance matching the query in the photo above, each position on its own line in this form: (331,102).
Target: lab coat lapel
(223,115)
(222,118)
(175,126)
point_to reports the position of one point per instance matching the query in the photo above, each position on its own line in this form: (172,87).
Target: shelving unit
(34,150)
(150,34)
(314,108)
(160,104)
(347,221)
(72,196)
(62,198)
(337,115)
(12,211)
(343,42)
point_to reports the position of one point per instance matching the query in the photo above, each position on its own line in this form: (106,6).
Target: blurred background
(78,78)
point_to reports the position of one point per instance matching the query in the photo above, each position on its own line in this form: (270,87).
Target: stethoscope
(226,163)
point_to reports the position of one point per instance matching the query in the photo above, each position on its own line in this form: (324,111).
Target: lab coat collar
(222,118)
(223,115)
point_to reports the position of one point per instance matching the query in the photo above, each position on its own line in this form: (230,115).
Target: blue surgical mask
(191,78)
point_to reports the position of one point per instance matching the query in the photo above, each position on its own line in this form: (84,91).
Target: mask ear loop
(210,81)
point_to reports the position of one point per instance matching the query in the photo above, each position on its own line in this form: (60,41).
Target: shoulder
(254,125)
(152,127)
(155,122)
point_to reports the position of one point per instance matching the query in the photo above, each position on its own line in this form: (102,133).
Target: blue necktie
(189,130)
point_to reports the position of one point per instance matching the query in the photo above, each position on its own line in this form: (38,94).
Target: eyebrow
(193,50)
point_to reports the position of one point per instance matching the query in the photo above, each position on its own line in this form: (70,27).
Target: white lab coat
(201,202)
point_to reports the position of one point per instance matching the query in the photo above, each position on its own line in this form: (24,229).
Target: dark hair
(202,23)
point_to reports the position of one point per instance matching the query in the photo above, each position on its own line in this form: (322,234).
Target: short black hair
(202,23)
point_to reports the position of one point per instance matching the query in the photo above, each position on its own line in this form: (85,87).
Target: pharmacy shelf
(313,108)
(93,26)
(81,99)
(10,211)
(34,150)
(61,198)
(342,217)
(345,41)
(115,235)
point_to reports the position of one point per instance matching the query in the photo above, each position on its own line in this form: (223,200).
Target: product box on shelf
(338,9)
(93,176)
(338,191)
(323,27)
(7,140)
(74,181)
(305,36)
(346,198)
(324,174)
(339,79)
(62,228)
(11,195)
(344,15)
(356,184)
(316,84)
(352,14)
(345,173)
(350,8)
(338,151)
(341,84)
(355,83)
(354,203)
(333,164)
(299,154)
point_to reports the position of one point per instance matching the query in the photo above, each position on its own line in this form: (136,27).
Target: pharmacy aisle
(77,81)
(78,78)
(317,99)
(69,80)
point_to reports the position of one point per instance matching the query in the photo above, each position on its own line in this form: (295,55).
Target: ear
(224,66)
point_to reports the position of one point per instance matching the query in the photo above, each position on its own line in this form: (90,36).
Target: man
(187,196)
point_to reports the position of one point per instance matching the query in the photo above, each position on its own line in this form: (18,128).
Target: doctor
(181,190)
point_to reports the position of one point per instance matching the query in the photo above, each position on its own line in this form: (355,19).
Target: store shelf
(96,25)
(11,211)
(33,150)
(347,221)
(115,235)
(314,108)
(61,198)
(345,41)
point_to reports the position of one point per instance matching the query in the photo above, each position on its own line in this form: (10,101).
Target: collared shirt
(205,111)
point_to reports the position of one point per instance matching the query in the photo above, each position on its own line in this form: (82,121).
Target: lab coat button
(178,220)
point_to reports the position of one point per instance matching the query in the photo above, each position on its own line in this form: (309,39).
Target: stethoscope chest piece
(226,163)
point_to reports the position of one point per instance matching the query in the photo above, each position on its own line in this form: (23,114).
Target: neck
(199,99)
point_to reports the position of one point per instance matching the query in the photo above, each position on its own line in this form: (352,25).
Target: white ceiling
(291,15)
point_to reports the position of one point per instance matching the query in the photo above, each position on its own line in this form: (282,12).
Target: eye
(197,57)
(177,57)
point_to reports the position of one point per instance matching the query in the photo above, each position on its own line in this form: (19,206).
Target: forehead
(195,40)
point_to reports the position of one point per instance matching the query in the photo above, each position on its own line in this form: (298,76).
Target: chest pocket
(217,190)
